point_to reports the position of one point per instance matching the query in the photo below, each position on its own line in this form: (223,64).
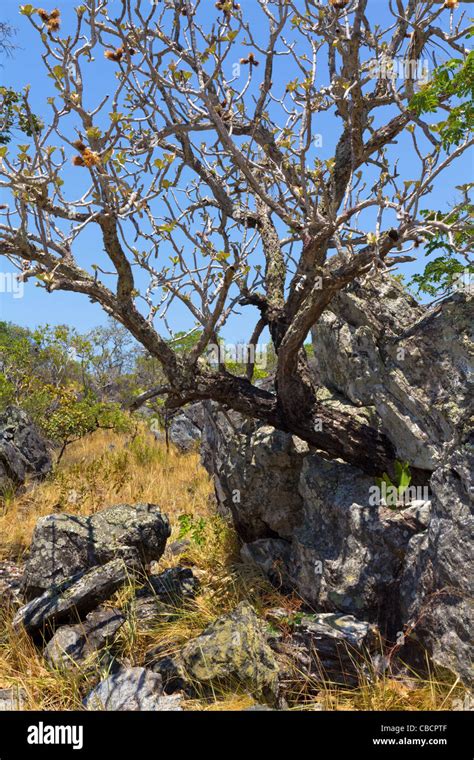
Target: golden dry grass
(106,469)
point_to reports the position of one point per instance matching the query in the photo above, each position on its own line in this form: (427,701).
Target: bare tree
(206,188)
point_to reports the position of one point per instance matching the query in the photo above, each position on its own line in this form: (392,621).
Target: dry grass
(107,469)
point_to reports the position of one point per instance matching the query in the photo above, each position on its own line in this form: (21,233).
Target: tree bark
(295,409)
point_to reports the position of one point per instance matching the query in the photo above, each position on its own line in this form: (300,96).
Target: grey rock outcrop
(132,689)
(311,524)
(347,554)
(437,587)
(63,545)
(23,451)
(255,470)
(74,645)
(185,428)
(308,523)
(378,348)
(73,598)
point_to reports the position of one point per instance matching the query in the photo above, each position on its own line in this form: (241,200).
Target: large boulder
(131,689)
(308,523)
(438,583)
(313,525)
(348,554)
(63,545)
(378,348)
(73,598)
(23,451)
(255,470)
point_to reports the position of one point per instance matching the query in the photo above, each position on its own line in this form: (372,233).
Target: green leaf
(402,470)
(58,72)
(93,133)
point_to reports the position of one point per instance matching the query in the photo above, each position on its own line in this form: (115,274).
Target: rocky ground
(126,609)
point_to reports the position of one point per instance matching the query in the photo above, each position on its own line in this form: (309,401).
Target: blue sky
(38,307)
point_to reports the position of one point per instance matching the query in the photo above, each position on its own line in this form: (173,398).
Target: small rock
(12,699)
(131,689)
(74,644)
(171,585)
(178,547)
(466,704)
(157,601)
(10,582)
(170,670)
(77,595)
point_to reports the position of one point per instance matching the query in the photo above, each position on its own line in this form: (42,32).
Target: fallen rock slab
(329,647)
(73,645)
(75,597)
(63,545)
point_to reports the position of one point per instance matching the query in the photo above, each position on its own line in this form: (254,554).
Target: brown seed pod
(79,145)
(114,55)
(78,161)
(250,60)
(339,4)
(55,13)
(451,4)
(44,15)
(53,24)
(90,158)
